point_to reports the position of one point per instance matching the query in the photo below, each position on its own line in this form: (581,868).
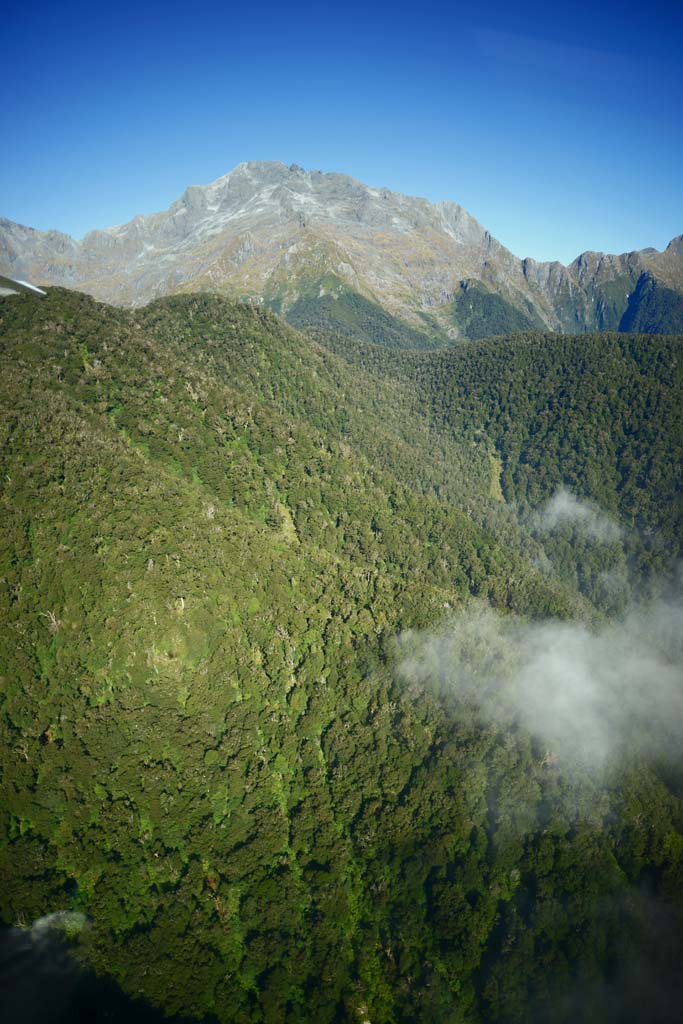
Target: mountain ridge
(273,234)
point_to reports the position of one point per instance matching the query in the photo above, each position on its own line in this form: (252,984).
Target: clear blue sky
(559,126)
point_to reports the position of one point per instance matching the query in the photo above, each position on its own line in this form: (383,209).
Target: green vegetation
(330,305)
(598,415)
(214,528)
(480,313)
(611,300)
(653,307)
(623,304)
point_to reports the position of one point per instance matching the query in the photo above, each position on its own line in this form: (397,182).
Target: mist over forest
(339,681)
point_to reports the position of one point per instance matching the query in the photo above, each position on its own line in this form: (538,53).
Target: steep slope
(213,530)
(327,249)
(598,416)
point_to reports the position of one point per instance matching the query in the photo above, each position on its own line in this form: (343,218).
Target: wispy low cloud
(565,509)
(587,697)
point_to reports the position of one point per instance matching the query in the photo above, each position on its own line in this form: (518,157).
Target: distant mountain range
(327,251)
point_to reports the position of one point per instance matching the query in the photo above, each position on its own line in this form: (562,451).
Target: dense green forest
(481,313)
(599,415)
(331,305)
(242,570)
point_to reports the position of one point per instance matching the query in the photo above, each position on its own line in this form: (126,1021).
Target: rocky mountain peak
(271,232)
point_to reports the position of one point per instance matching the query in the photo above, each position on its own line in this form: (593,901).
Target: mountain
(329,252)
(240,576)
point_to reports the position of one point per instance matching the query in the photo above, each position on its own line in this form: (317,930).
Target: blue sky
(560,127)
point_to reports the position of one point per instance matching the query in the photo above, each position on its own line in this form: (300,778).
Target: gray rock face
(272,233)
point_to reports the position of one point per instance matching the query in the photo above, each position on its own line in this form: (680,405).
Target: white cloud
(588,697)
(565,509)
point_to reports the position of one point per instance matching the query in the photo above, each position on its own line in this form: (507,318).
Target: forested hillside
(598,415)
(241,575)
